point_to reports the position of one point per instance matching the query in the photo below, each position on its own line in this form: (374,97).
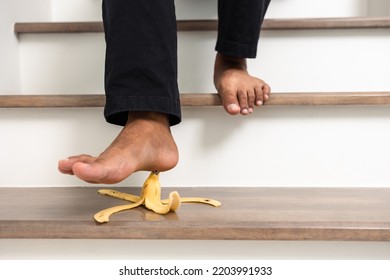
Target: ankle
(148,116)
(230,61)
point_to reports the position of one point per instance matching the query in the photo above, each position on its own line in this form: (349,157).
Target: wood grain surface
(351,214)
(202,99)
(212,25)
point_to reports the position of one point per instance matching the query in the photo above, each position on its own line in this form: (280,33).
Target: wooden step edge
(200,99)
(261,213)
(327,23)
(212,25)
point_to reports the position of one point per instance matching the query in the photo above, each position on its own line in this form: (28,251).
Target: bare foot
(239,91)
(145,143)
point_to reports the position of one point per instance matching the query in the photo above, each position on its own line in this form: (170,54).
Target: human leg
(238,35)
(141,59)
(141,92)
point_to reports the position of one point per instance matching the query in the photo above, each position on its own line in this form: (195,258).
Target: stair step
(211,25)
(304,98)
(349,214)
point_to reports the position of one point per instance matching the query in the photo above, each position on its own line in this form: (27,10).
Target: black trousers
(141,51)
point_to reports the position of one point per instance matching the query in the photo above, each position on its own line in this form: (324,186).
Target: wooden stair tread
(187,99)
(211,25)
(350,214)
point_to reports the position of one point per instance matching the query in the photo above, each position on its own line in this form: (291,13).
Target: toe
(230,102)
(251,100)
(233,109)
(243,101)
(89,172)
(266,91)
(259,96)
(102,170)
(66,165)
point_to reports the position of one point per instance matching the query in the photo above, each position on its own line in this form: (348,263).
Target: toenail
(233,107)
(259,102)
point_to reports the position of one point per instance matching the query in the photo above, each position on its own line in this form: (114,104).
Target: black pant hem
(117,108)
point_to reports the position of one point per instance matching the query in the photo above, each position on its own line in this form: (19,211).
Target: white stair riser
(276,146)
(327,60)
(74,10)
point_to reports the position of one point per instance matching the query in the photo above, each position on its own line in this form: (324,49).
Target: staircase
(310,165)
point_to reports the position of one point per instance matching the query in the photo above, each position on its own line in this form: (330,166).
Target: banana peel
(150,198)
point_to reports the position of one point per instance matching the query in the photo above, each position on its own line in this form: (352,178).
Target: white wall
(191,250)
(205,9)
(317,8)
(379,8)
(76,10)
(10,12)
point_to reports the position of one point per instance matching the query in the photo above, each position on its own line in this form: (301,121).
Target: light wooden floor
(352,214)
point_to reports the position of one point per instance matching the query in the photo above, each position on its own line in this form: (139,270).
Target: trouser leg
(141,59)
(239,26)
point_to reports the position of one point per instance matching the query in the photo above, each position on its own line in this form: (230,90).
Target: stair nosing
(201,99)
(212,25)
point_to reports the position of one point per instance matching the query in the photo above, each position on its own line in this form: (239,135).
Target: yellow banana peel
(150,198)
